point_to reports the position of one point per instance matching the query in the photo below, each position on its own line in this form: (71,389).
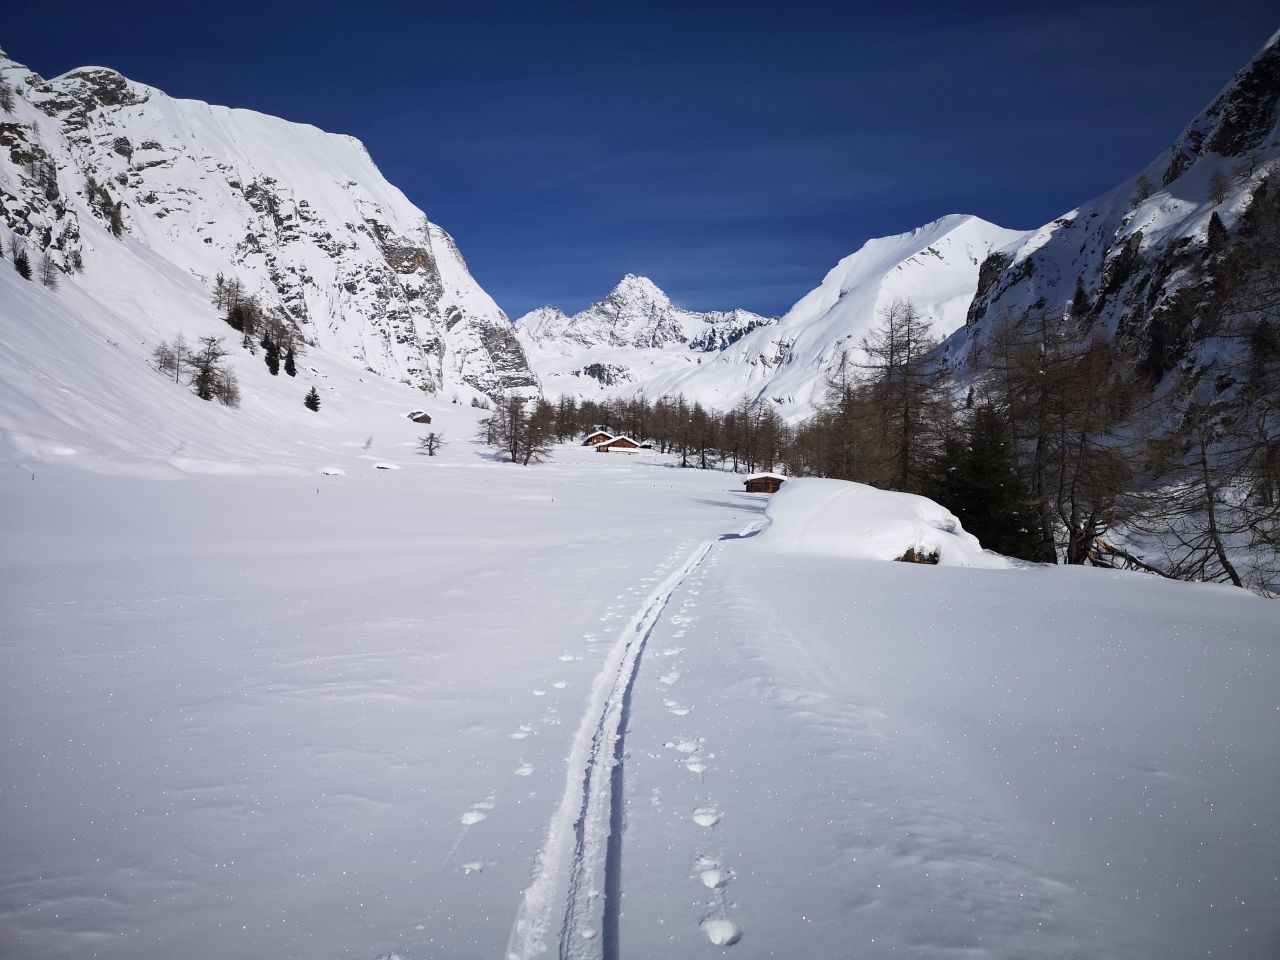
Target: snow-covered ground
(283,714)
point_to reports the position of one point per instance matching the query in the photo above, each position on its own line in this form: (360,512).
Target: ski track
(577,876)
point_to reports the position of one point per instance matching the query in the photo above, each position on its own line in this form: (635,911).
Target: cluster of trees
(270,330)
(47,271)
(745,438)
(523,430)
(202,367)
(1212,486)
(104,206)
(1061,443)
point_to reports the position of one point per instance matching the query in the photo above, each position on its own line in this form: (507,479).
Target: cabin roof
(764,476)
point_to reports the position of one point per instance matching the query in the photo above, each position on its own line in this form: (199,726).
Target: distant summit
(636,341)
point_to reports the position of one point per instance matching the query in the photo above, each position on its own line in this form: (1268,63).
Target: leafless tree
(171,358)
(1219,186)
(903,389)
(523,436)
(48,272)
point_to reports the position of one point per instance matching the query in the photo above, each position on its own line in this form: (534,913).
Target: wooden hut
(763,482)
(419,416)
(595,437)
(618,445)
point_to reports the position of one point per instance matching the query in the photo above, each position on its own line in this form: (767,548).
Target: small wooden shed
(618,445)
(419,416)
(763,482)
(595,437)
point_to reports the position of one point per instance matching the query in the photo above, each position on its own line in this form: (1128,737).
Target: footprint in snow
(568,658)
(475,866)
(560,684)
(669,678)
(722,932)
(472,817)
(671,651)
(706,816)
(685,745)
(695,765)
(524,770)
(675,708)
(539,693)
(523,732)
(712,875)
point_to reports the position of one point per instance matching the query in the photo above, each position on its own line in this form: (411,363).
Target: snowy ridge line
(580,850)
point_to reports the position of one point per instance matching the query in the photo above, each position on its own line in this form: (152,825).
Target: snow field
(467,709)
(275,715)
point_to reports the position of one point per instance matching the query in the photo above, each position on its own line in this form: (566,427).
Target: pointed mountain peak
(634,286)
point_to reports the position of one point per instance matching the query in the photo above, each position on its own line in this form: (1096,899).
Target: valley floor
(469,710)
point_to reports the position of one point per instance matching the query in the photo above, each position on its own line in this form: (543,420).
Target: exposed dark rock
(914,556)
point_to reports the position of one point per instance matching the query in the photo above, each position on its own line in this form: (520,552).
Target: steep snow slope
(1134,256)
(77,385)
(934,266)
(632,343)
(627,340)
(301,216)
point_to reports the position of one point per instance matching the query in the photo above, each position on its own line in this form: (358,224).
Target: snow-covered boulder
(846,519)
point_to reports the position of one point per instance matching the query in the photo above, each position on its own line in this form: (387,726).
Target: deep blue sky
(732,152)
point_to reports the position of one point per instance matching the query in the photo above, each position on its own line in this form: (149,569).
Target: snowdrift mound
(846,519)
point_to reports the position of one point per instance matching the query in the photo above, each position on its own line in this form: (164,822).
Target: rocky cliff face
(1133,262)
(303,218)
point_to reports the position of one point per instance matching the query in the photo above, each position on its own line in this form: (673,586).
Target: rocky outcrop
(1136,262)
(302,218)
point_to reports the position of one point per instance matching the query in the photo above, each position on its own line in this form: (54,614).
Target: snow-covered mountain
(1137,252)
(1130,263)
(635,341)
(629,339)
(934,266)
(302,217)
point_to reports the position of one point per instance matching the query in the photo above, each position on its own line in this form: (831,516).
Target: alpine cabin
(763,482)
(618,445)
(595,437)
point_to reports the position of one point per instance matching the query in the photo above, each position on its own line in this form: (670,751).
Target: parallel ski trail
(577,874)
